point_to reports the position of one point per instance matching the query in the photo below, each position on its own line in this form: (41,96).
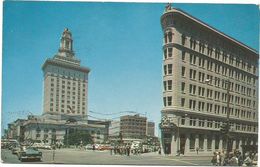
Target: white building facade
(194,110)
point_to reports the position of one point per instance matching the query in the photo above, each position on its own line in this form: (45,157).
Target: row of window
(68,75)
(209,123)
(67,81)
(218,82)
(211,108)
(218,54)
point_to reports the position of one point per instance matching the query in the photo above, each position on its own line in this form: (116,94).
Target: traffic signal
(224,128)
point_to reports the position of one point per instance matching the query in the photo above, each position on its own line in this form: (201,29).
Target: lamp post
(228,113)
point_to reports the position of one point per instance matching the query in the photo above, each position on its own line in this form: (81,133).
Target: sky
(120,42)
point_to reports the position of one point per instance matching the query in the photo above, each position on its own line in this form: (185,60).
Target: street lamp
(227,128)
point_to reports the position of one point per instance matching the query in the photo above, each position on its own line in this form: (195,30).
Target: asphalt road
(73,156)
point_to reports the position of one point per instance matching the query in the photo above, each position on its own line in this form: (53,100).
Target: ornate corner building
(198,60)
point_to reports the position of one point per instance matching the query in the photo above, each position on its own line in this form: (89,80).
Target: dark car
(30,153)
(15,149)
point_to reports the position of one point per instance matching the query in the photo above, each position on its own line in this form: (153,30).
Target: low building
(133,126)
(40,129)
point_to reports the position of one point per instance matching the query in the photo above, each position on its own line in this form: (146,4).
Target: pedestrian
(159,151)
(93,147)
(248,160)
(111,151)
(214,159)
(240,158)
(233,161)
(222,157)
(218,159)
(197,150)
(128,150)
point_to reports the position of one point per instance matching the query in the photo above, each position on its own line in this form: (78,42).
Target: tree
(73,137)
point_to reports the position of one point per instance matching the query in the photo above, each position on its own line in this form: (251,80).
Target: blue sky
(120,42)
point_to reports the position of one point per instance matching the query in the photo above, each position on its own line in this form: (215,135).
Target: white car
(47,147)
(89,147)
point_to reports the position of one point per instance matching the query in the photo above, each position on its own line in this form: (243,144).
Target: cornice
(65,65)
(199,22)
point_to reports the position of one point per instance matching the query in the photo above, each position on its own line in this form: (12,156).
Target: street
(90,157)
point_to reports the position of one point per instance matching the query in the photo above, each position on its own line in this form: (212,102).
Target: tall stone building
(64,103)
(65,82)
(201,67)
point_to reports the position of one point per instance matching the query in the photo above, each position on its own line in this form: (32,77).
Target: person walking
(214,159)
(233,161)
(128,150)
(247,161)
(218,159)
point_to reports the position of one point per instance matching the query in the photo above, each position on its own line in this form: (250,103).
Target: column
(196,141)
(205,144)
(220,147)
(174,144)
(239,147)
(187,144)
(234,144)
(213,143)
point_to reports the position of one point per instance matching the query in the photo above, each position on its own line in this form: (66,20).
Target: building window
(164,85)
(182,87)
(182,102)
(192,59)
(170,34)
(165,54)
(169,52)
(169,84)
(169,99)
(169,68)
(192,74)
(183,55)
(183,39)
(183,71)
(165,38)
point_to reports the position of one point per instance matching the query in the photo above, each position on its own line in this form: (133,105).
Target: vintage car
(30,153)
(15,149)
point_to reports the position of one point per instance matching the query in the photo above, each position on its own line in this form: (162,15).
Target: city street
(73,156)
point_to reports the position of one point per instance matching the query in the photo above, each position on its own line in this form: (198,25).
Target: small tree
(73,137)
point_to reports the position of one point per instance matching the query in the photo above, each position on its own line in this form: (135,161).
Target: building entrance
(182,143)
(167,148)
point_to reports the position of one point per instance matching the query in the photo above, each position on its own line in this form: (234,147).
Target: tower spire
(66,44)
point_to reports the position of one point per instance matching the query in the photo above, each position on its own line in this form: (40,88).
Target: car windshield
(32,148)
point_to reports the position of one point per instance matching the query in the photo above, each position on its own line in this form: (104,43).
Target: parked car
(30,153)
(89,147)
(16,149)
(47,147)
(104,147)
